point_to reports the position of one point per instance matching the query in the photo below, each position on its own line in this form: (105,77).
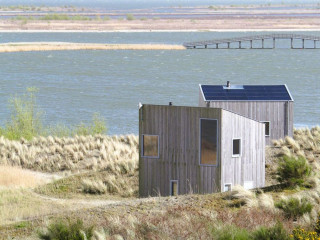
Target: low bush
(26,121)
(98,126)
(93,187)
(26,118)
(130,17)
(277,232)
(67,230)
(230,233)
(293,171)
(55,16)
(294,207)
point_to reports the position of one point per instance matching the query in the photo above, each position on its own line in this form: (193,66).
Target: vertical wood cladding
(279,113)
(178,129)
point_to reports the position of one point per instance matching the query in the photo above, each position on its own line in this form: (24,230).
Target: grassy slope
(190,216)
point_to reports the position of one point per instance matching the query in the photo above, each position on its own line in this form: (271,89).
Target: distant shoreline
(168,30)
(233,18)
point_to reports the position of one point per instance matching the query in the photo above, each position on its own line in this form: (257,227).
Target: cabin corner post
(221,177)
(141,167)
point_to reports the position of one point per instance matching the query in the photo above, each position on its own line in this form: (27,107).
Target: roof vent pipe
(228,83)
(170,103)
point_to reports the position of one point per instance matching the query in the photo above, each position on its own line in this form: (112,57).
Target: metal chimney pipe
(170,103)
(228,83)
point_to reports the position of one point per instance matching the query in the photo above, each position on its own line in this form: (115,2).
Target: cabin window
(174,187)
(267,128)
(236,147)
(227,187)
(150,146)
(208,141)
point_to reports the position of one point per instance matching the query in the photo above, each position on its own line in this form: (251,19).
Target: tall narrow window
(236,147)
(174,187)
(150,146)
(267,128)
(209,141)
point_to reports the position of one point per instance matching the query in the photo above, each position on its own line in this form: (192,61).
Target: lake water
(76,84)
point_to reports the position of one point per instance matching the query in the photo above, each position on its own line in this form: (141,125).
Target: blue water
(73,85)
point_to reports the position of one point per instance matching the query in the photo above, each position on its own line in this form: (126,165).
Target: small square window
(227,187)
(150,146)
(236,147)
(267,128)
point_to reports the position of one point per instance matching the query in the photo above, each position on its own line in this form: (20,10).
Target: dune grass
(17,177)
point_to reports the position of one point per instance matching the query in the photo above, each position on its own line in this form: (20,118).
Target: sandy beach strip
(244,24)
(59,46)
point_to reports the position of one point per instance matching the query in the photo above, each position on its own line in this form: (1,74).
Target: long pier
(216,44)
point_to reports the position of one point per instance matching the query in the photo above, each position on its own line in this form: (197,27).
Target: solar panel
(247,93)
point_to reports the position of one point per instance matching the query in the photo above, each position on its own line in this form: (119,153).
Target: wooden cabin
(269,104)
(198,150)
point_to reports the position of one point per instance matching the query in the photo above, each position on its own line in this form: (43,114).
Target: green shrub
(294,208)
(67,230)
(130,17)
(230,233)
(98,126)
(26,118)
(293,171)
(55,16)
(277,232)
(79,18)
(26,121)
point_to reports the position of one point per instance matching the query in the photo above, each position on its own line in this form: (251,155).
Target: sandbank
(56,46)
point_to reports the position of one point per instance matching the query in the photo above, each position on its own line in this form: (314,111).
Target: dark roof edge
(285,85)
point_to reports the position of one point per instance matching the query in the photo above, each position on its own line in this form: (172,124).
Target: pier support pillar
(274,43)
(205,46)
(217,45)
(314,44)
(228,45)
(291,43)
(239,44)
(262,43)
(250,43)
(302,43)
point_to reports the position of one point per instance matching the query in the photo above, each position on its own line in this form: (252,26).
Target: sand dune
(56,46)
